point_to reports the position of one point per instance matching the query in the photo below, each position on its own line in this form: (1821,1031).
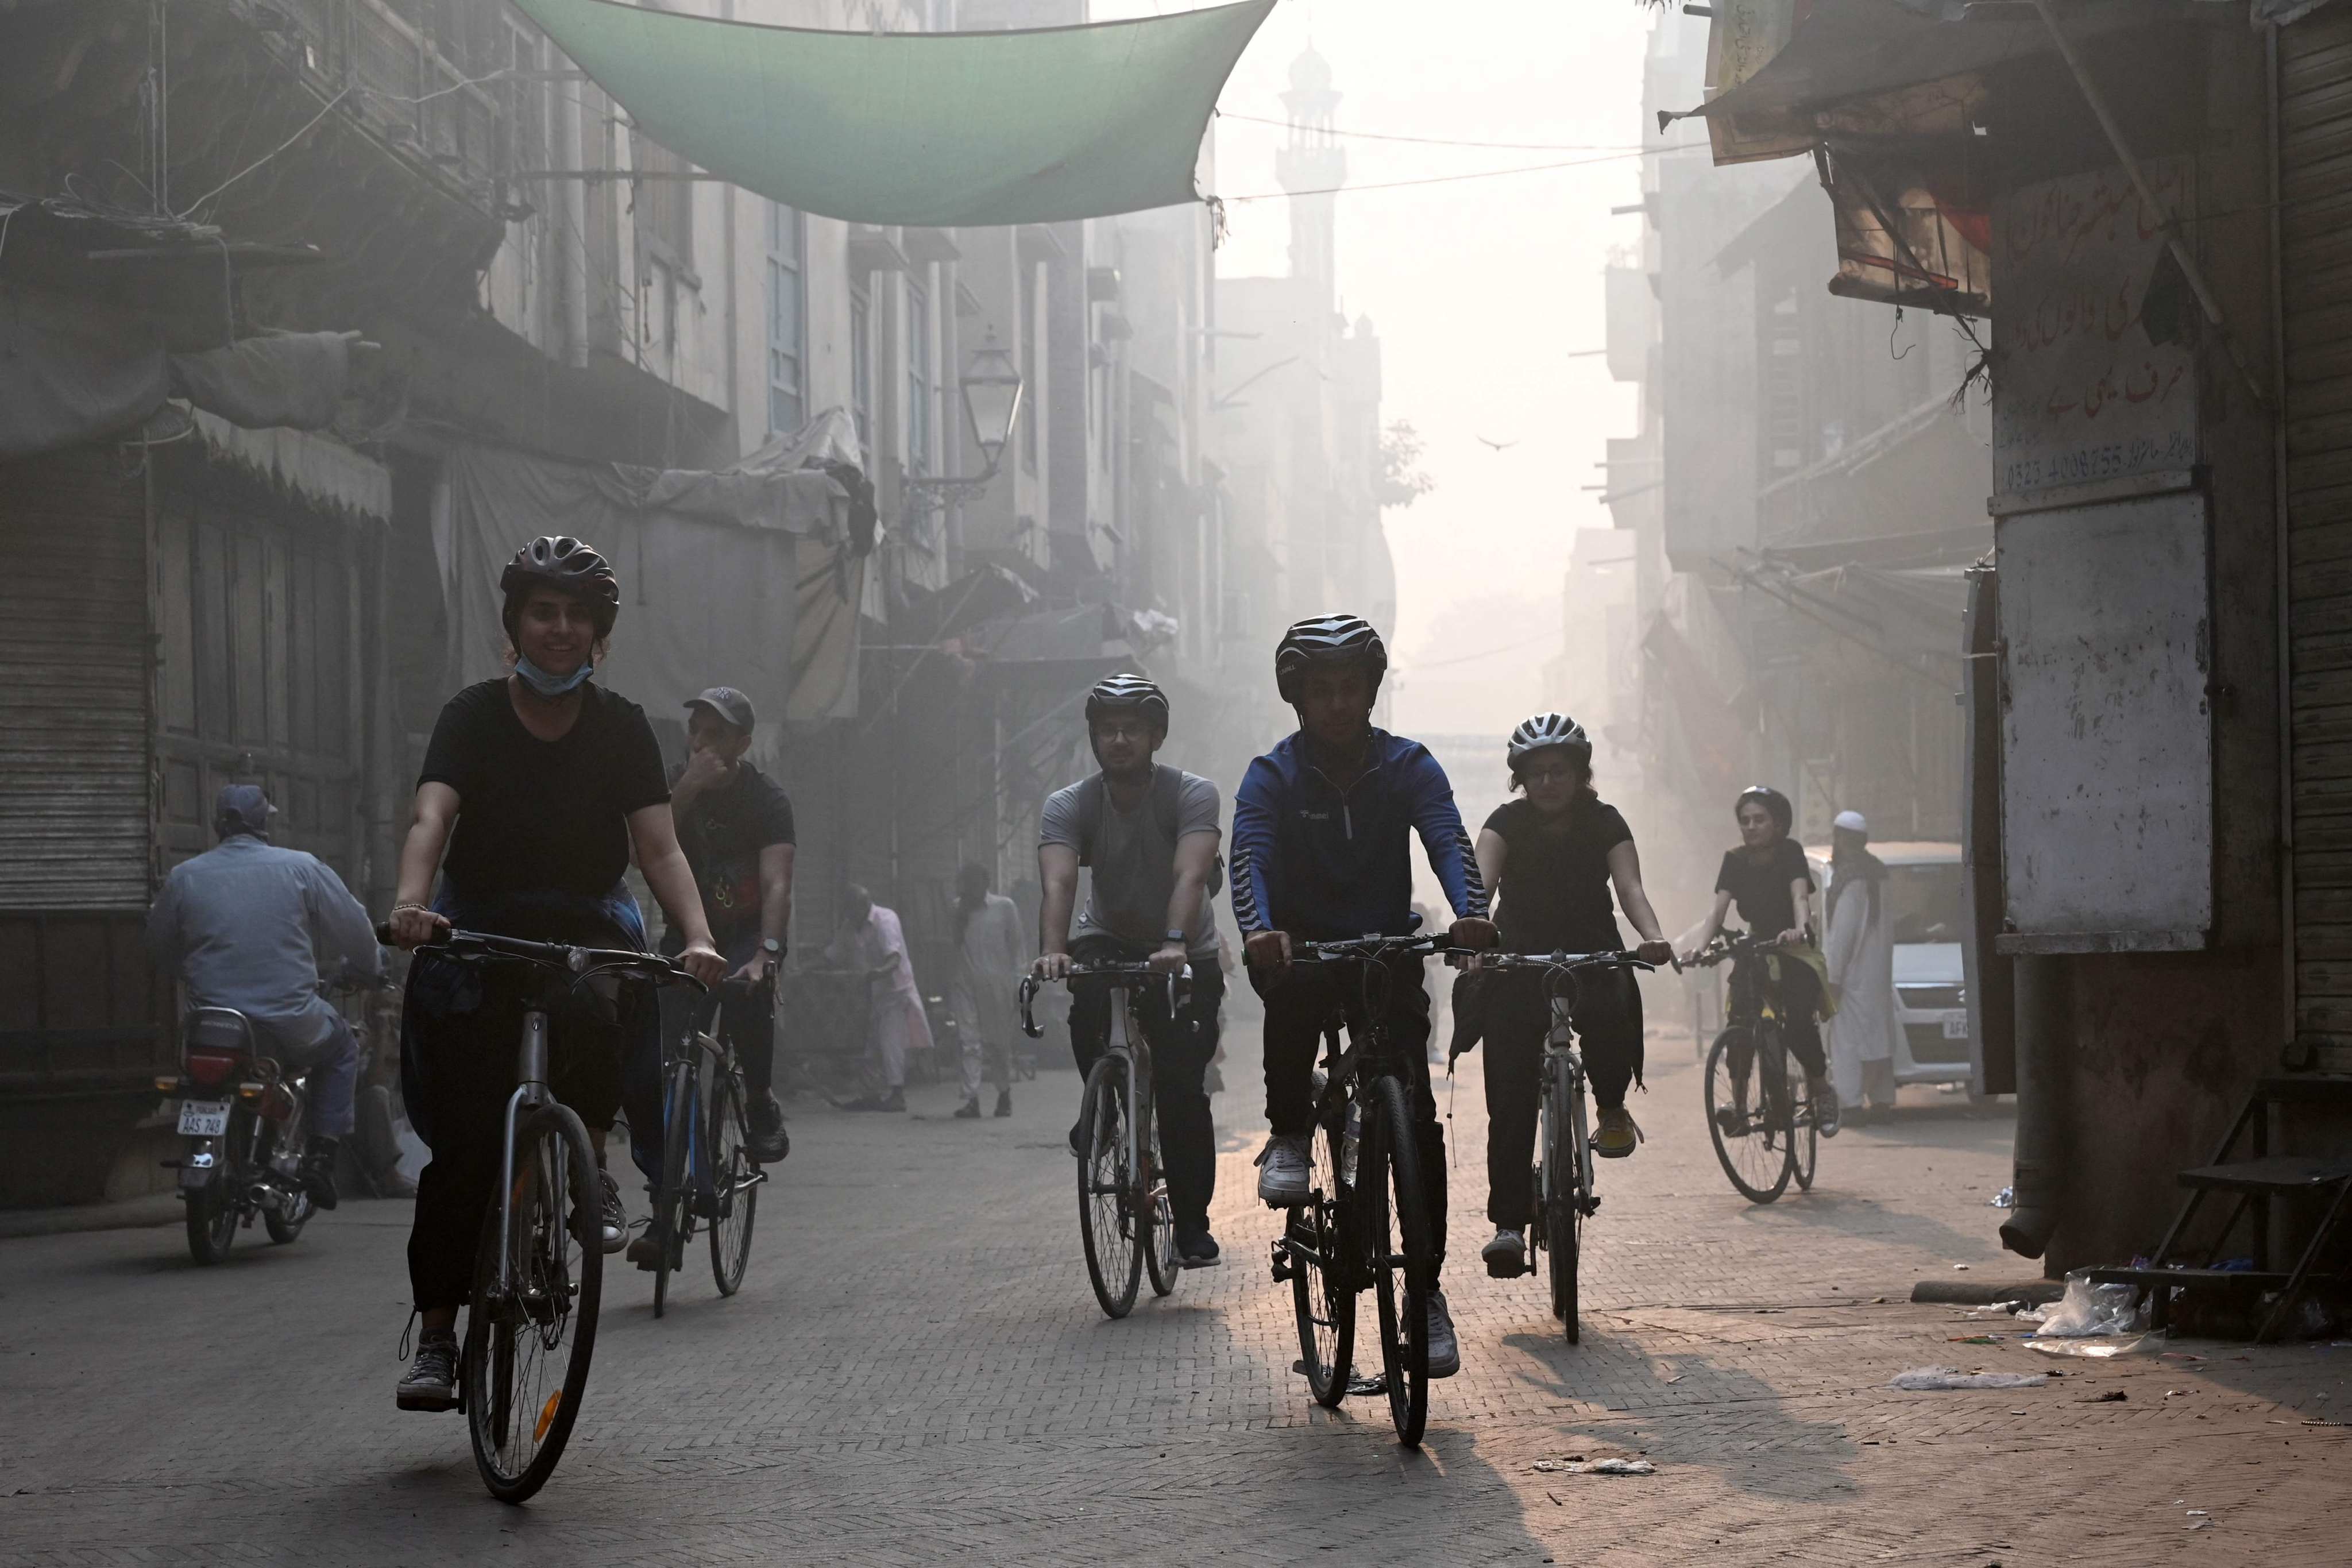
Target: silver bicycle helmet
(1126,690)
(1547,731)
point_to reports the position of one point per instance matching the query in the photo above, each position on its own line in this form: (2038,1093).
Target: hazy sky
(1478,289)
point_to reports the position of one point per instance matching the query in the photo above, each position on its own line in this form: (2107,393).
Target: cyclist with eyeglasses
(1149,833)
(1553,859)
(1322,825)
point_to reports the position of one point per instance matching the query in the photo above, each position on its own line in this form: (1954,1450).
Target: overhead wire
(1471,174)
(1445,141)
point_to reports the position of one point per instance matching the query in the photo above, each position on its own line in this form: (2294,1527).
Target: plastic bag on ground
(1597,1468)
(1921,1379)
(2092,1347)
(2088,1308)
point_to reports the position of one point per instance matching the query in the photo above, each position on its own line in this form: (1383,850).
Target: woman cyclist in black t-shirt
(1767,878)
(538,785)
(1552,860)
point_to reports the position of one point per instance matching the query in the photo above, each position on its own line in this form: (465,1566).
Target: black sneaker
(612,1214)
(1003,1103)
(770,1143)
(1197,1249)
(318,1173)
(431,1380)
(969,1110)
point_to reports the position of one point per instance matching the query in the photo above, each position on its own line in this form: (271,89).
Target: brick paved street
(915,1372)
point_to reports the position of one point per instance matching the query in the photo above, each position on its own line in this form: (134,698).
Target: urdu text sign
(2081,394)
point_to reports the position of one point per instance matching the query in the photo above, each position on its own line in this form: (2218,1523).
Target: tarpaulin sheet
(935,130)
(704,601)
(71,370)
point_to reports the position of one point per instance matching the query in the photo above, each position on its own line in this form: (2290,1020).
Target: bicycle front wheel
(1564,1147)
(1748,1112)
(734,1185)
(531,1330)
(1108,1224)
(1322,1294)
(668,1224)
(1804,1142)
(1401,1253)
(1160,1250)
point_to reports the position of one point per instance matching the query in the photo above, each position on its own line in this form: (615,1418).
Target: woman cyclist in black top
(1770,880)
(1552,860)
(539,786)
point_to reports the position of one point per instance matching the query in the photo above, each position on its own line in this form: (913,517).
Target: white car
(1926,889)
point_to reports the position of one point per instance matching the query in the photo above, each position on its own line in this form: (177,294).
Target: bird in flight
(1499,446)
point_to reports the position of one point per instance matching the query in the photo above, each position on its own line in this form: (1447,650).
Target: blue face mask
(547,685)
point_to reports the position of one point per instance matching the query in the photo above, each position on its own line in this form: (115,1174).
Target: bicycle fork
(530,1093)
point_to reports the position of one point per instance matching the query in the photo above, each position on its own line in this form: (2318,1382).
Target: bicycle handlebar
(1625,959)
(1031,984)
(1727,946)
(1365,947)
(578,962)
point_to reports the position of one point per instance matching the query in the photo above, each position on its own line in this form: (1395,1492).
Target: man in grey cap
(735,824)
(263,930)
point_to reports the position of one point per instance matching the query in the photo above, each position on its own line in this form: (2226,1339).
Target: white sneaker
(1506,1255)
(1444,1351)
(1282,1175)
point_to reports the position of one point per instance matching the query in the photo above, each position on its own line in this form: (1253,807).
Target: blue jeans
(333,1066)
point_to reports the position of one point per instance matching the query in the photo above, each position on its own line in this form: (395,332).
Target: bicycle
(1563,1185)
(1365,1224)
(1126,1221)
(707,1171)
(1761,1143)
(539,1269)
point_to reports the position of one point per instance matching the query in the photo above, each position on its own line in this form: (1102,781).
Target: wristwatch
(1175,936)
(771,947)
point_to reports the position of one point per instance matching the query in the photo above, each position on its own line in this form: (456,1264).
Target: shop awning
(935,130)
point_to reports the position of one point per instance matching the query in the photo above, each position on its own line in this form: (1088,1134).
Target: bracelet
(420,908)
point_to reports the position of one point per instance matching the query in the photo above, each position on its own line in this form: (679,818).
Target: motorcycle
(247,1122)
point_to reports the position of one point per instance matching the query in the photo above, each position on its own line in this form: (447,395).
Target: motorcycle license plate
(204,1117)
(1956,1026)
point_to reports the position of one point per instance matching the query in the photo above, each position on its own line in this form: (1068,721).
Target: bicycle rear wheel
(1322,1295)
(530,1336)
(1159,1247)
(1400,1251)
(668,1224)
(1747,1111)
(1108,1224)
(1564,1195)
(734,1185)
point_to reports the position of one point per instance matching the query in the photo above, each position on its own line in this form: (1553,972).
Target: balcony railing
(406,87)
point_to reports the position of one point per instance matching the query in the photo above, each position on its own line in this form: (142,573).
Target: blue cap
(241,808)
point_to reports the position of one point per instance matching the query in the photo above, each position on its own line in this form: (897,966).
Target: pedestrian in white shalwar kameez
(985,993)
(1861,954)
(872,940)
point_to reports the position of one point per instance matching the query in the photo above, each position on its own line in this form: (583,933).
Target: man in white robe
(1861,956)
(872,940)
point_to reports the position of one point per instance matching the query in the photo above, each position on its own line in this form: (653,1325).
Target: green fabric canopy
(935,130)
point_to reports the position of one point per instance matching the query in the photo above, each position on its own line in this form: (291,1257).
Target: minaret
(1312,162)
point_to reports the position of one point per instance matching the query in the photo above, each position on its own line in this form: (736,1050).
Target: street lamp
(991,388)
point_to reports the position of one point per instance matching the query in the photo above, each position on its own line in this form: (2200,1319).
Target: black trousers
(1800,1027)
(466,1069)
(747,1016)
(1311,996)
(1517,1012)
(1182,1045)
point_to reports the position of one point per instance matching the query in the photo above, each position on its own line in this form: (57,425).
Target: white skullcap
(1851,821)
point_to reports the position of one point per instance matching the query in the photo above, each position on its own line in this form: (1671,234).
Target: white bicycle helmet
(1546,730)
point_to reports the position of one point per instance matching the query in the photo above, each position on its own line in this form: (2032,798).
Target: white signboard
(2081,393)
(2107,733)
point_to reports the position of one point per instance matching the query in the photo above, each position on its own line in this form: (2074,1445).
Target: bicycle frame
(1127,1038)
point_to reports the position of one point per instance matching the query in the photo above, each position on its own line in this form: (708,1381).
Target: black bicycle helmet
(1774,802)
(1126,690)
(1547,731)
(565,564)
(1327,639)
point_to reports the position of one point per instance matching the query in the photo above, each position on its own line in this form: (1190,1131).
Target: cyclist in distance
(1321,826)
(1768,878)
(735,824)
(538,784)
(1150,835)
(1552,860)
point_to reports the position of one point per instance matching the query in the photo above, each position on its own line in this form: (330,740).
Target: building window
(919,376)
(663,201)
(787,321)
(861,366)
(1029,364)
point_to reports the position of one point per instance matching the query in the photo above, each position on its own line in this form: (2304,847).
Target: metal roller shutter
(74,662)
(2315,264)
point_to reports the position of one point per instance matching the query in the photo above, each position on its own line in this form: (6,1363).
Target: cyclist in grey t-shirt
(1150,836)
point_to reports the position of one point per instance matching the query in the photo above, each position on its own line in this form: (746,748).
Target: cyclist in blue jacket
(1322,825)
